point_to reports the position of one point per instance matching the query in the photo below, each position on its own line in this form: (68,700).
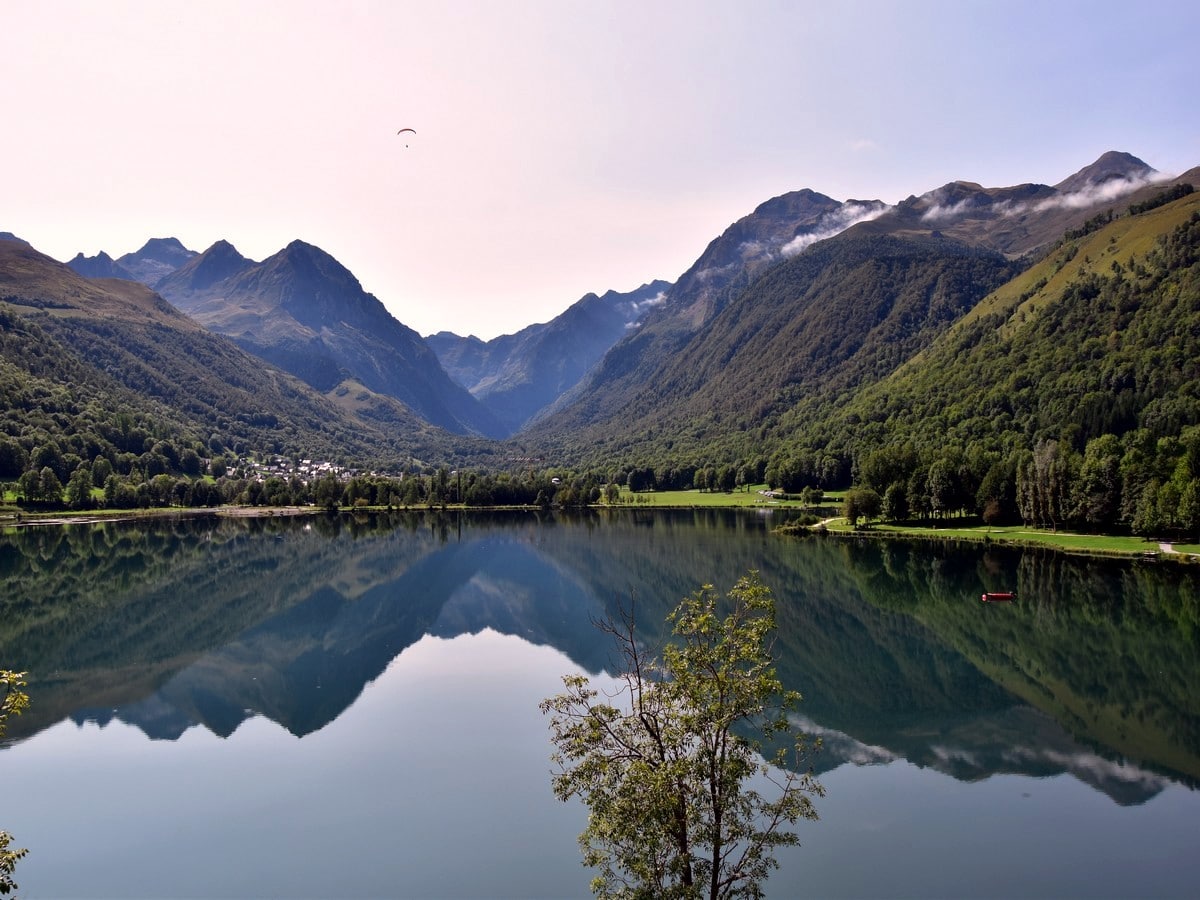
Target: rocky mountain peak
(99,266)
(311,265)
(1111,166)
(166,250)
(156,259)
(218,262)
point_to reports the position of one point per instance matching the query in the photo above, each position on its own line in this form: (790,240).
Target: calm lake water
(309,707)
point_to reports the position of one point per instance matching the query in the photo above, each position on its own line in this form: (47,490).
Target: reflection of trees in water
(107,614)
(887,640)
(1105,647)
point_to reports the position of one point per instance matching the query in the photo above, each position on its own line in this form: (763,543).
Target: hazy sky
(562,147)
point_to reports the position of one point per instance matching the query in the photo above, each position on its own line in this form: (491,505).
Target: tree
(328,491)
(101,468)
(15,702)
(52,489)
(942,485)
(861,503)
(895,502)
(190,462)
(664,772)
(29,485)
(79,488)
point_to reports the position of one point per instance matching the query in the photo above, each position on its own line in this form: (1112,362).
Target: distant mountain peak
(309,262)
(1113,165)
(156,259)
(778,228)
(165,250)
(218,262)
(99,266)
(223,246)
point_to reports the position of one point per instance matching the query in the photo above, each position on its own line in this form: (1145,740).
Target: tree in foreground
(670,763)
(14,702)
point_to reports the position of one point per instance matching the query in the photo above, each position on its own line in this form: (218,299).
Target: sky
(562,147)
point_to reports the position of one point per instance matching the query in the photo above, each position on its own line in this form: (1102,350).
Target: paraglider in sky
(402,130)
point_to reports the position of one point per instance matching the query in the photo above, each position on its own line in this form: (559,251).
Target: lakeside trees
(665,767)
(1136,484)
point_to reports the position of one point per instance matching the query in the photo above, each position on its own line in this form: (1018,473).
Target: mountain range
(806,303)
(303,311)
(519,376)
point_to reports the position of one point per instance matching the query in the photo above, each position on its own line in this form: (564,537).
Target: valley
(1022,354)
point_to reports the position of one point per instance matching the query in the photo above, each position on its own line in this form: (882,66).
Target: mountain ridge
(82,354)
(304,311)
(520,376)
(803,300)
(655,366)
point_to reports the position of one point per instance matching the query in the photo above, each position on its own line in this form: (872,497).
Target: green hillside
(946,379)
(1070,396)
(1099,335)
(95,369)
(843,314)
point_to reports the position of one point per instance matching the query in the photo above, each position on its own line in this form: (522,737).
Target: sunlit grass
(1020,534)
(736,498)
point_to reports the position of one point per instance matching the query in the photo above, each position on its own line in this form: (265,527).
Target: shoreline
(25,519)
(1154,551)
(1059,542)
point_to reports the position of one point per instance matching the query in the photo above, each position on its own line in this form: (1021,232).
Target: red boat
(998,596)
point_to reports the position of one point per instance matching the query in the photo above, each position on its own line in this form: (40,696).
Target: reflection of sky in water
(435,783)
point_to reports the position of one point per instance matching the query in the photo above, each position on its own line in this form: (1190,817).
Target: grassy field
(1021,535)
(753,496)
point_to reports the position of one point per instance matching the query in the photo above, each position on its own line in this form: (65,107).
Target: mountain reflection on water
(171,624)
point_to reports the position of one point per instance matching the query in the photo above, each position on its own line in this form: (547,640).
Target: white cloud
(1098,193)
(752,249)
(850,213)
(1093,769)
(637,310)
(1093,195)
(940,213)
(714,271)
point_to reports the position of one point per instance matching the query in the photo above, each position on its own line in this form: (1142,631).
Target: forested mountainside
(107,368)
(1098,337)
(1071,396)
(1068,396)
(518,376)
(796,279)
(843,312)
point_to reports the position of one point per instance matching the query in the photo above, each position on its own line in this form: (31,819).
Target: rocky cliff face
(305,312)
(521,375)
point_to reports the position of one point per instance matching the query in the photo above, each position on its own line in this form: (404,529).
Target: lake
(348,707)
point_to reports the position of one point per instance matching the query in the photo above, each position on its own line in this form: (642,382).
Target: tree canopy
(671,766)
